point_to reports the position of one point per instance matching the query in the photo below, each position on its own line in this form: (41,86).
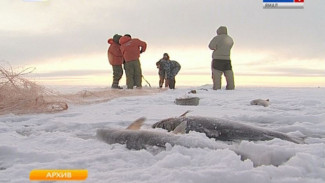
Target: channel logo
(283,4)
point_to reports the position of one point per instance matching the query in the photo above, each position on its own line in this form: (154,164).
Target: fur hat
(128,35)
(166,54)
(222,30)
(116,38)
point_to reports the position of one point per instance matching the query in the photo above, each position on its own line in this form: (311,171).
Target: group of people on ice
(125,50)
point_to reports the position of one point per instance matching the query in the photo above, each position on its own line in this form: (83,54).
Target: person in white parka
(221,63)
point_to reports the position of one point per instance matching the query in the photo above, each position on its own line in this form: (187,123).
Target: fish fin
(136,125)
(181,128)
(184,114)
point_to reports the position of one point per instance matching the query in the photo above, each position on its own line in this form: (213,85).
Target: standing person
(161,75)
(221,63)
(115,58)
(131,50)
(170,69)
(162,65)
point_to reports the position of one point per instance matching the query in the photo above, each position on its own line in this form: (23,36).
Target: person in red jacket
(115,58)
(131,50)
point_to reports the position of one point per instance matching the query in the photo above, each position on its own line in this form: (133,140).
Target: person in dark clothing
(175,67)
(161,65)
(161,75)
(168,69)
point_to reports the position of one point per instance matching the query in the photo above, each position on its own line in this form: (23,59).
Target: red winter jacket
(131,48)
(114,54)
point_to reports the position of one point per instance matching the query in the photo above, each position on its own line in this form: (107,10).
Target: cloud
(279,71)
(301,72)
(32,32)
(71,73)
(20,47)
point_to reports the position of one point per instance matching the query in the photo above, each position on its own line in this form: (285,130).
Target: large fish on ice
(134,138)
(221,129)
(137,139)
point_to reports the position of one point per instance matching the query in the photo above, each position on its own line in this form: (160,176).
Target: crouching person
(115,58)
(221,63)
(169,69)
(175,67)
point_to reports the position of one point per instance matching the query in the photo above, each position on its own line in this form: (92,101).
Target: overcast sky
(273,41)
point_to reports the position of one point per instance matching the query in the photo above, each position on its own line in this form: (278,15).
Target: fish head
(109,136)
(168,124)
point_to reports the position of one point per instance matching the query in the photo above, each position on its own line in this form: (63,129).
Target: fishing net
(19,95)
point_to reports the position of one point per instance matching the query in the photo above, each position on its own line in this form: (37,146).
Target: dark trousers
(220,67)
(172,83)
(117,75)
(162,80)
(133,74)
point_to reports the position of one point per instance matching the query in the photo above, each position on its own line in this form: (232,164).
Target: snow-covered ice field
(65,140)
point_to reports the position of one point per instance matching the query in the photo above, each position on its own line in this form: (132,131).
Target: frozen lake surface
(66,140)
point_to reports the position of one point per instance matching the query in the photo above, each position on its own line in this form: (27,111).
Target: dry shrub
(18,95)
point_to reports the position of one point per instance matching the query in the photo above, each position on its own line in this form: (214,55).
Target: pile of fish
(219,129)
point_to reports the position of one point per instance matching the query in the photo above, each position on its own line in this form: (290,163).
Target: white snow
(66,140)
